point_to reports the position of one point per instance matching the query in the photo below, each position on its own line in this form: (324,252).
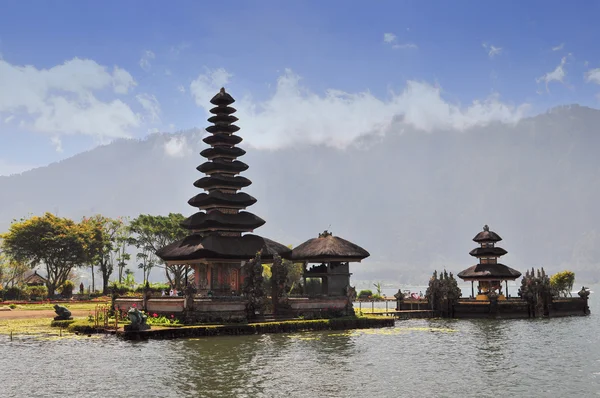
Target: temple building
(489,273)
(331,257)
(220,238)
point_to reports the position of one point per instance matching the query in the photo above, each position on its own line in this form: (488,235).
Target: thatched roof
(487,236)
(328,248)
(215,247)
(214,220)
(489,271)
(217,198)
(488,252)
(35,279)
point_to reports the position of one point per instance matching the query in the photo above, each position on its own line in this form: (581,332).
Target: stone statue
(62,313)
(138,320)
(399,296)
(584,292)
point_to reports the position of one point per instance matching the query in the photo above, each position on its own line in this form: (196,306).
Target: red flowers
(155,315)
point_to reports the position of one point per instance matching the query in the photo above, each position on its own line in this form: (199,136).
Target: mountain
(413,199)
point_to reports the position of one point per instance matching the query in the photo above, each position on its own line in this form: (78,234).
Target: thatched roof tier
(488,252)
(220,181)
(222,98)
(234,167)
(328,248)
(216,198)
(223,139)
(217,247)
(489,272)
(222,110)
(487,236)
(218,221)
(223,152)
(222,128)
(222,119)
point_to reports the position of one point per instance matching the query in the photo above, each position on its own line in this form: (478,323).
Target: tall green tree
(103,232)
(151,233)
(57,243)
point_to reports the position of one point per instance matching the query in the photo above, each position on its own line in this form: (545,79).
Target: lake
(422,358)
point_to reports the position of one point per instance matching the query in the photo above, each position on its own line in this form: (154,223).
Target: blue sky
(74,75)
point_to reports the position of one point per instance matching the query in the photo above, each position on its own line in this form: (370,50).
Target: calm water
(421,358)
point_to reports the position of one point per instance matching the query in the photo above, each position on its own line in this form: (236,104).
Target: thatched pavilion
(219,241)
(489,273)
(330,256)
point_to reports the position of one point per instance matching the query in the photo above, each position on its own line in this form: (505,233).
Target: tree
(11,272)
(57,243)
(279,273)
(121,243)
(103,232)
(151,233)
(253,286)
(562,282)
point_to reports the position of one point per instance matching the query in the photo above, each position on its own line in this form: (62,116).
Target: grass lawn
(71,306)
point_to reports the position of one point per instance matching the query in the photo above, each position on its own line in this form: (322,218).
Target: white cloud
(593,76)
(147,56)
(294,114)
(207,85)
(150,105)
(57,143)
(557,75)
(389,37)
(177,147)
(492,50)
(181,89)
(405,46)
(61,100)
(559,47)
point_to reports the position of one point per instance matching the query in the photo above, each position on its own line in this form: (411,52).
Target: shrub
(12,306)
(364,294)
(37,292)
(16,293)
(66,289)
(119,289)
(563,282)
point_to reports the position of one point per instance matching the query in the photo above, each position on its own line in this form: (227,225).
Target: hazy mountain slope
(414,200)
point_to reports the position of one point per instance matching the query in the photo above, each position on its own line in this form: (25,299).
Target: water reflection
(428,358)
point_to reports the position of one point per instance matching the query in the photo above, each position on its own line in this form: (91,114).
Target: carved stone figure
(138,320)
(584,292)
(62,313)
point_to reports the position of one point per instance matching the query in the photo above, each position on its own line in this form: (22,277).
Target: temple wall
(337,285)
(412,305)
(303,304)
(515,308)
(569,307)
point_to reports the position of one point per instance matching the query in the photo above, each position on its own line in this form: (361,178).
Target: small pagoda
(489,273)
(219,240)
(330,257)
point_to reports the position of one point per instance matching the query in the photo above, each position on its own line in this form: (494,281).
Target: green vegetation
(562,282)
(365,294)
(59,244)
(151,233)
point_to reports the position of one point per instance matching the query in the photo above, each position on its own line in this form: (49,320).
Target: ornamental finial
(486,228)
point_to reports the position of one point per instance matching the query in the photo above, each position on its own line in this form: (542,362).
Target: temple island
(535,298)
(225,254)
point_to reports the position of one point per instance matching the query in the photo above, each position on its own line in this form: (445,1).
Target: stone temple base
(136,328)
(62,318)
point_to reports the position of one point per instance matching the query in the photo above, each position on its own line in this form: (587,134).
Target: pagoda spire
(222,203)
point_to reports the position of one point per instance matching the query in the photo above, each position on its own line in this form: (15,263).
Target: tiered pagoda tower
(217,243)
(489,272)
